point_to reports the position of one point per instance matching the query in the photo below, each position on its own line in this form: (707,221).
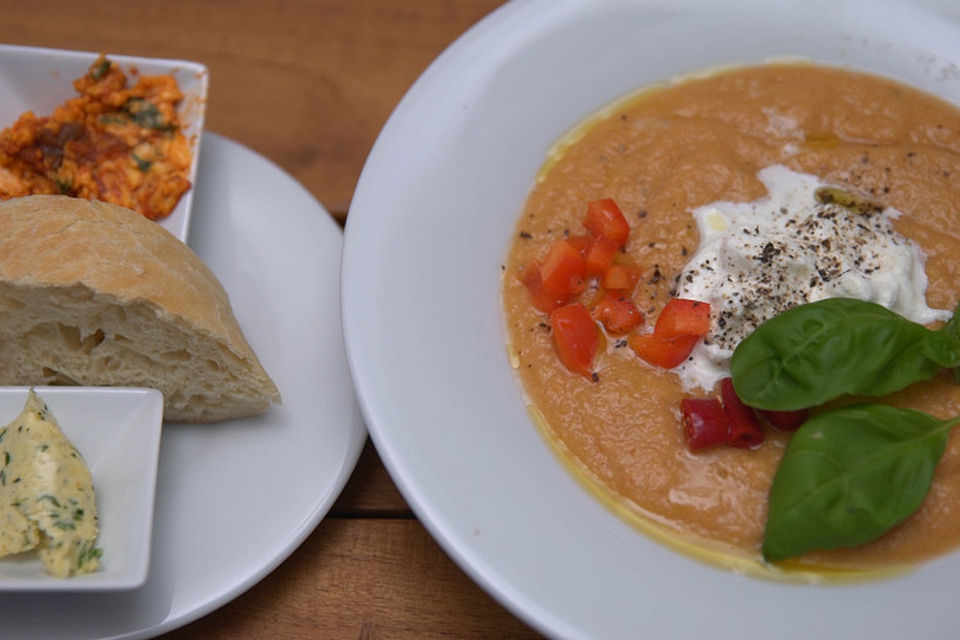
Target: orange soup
(660,155)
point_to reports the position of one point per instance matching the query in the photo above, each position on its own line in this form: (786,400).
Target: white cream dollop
(757,259)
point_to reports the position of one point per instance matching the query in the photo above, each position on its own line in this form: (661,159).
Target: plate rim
(435,521)
(358,435)
(166,605)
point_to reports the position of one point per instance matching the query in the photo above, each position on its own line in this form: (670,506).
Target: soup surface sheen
(662,154)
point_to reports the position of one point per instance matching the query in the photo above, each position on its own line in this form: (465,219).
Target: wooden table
(308,84)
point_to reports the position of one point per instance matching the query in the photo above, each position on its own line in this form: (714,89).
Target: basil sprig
(816,352)
(849,475)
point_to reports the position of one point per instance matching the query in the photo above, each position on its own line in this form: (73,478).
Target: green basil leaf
(816,352)
(849,475)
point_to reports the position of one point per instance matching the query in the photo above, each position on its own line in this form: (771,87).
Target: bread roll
(95,294)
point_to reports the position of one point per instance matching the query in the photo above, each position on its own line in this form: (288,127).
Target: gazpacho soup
(730,302)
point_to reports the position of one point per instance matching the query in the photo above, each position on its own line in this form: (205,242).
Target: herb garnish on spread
(114,143)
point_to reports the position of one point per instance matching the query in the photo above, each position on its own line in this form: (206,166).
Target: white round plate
(234,499)
(428,230)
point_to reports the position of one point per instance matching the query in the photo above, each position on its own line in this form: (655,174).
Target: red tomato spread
(115,143)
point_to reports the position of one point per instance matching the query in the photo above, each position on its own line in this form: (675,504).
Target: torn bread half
(97,295)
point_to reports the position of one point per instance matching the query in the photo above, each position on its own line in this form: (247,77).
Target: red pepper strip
(576,338)
(599,255)
(581,243)
(563,270)
(785,420)
(621,277)
(665,353)
(704,423)
(605,220)
(745,429)
(617,313)
(683,317)
(539,297)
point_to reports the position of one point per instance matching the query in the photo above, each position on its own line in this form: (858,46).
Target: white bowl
(117,431)
(39,80)
(427,232)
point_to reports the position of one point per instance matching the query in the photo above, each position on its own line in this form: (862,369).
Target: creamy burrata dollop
(804,241)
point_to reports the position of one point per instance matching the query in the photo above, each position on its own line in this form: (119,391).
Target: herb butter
(47,500)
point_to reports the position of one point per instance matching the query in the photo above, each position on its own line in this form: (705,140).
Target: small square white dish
(117,431)
(39,79)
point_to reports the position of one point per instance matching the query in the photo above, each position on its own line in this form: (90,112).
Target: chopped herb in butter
(46,494)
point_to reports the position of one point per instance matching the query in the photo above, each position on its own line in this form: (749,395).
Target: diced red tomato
(564,270)
(704,423)
(581,242)
(662,352)
(621,277)
(745,429)
(541,299)
(599,255)
(682,317)
(576,337)
(605,220)
(591,297)
(785,420)
(617,313)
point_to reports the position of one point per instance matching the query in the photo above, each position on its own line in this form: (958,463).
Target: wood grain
(370,492)
(386,579)
(309,84)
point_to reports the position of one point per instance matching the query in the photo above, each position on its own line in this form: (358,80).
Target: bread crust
(57,246)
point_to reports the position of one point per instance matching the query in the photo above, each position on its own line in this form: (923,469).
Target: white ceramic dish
(428,229)
(117,431)
(234,499)
(38,79)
